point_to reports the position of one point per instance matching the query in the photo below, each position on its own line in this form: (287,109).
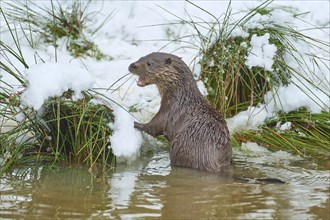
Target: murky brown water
(152,189)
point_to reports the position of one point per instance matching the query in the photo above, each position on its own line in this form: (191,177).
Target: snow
(137,28)
(52,79)
(261,52)
(285,126)
(254,147)
(291,97)
(249,119)
(126,140)
(260,155)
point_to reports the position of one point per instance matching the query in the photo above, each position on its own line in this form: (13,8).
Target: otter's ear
(168,61)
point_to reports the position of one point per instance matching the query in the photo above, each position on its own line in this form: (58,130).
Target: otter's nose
(132,67)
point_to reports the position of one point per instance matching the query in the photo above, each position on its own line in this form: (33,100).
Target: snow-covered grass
(285,50)
(51,113)
(57,25)
(55,118)
(298,132)
(251,60)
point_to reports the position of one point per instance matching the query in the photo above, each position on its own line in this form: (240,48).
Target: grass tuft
(298,132)
(49,25)
(233,84)
(63,130)
(74,131)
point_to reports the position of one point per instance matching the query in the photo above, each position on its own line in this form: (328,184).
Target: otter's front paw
(137,125)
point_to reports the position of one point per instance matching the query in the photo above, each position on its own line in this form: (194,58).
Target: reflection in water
(122,186)
(159,191)
(59,193)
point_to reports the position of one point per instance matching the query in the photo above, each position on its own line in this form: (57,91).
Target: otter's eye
(150,63)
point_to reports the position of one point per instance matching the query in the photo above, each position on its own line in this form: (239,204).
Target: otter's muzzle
(132,68)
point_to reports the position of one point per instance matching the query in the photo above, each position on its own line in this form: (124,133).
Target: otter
(198,134)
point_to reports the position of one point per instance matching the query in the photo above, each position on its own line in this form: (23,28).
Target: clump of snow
(249,119)
(273,18)
(254,147)
(52,79)
(244,44)
(239,32)
(291,97)
(261,155)
(285,126)
(261,53)
(125,140)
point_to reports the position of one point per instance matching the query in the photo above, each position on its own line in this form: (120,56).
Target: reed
(64,129)
(298,132)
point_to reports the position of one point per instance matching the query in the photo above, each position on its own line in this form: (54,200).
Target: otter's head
(162,69)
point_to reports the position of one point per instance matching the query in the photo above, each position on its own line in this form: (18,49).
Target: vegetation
(236,86)
(64,129)
(302,133)
(233,85)
(52,24)
(75,131)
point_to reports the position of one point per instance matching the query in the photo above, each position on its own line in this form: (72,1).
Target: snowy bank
(137,28)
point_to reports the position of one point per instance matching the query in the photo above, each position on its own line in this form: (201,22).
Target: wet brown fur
(197,133)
